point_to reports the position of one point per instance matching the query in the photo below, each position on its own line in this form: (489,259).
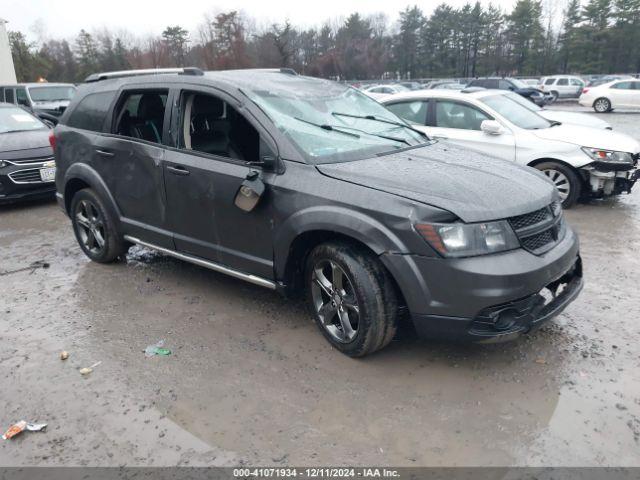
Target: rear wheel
(351,297)
(94,228)
(602,105)
(565,179)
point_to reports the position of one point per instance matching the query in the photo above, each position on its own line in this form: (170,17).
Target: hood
(17,141)
(58,106)
(574,118)
(528,91)
(470,185)
(589,137)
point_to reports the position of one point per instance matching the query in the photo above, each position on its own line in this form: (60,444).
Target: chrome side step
(263,282)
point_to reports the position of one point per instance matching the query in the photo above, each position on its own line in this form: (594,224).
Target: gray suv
(304,185)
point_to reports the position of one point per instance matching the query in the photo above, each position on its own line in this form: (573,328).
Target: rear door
(203,173)
(130,162)
(458,122)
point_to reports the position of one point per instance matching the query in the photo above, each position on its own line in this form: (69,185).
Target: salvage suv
(305,185)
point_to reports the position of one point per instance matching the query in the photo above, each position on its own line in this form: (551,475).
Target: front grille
(540,230)
(537,241)
(31,175)
(529,219)
(21,161)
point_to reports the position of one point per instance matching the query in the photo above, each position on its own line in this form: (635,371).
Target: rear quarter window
(91,111)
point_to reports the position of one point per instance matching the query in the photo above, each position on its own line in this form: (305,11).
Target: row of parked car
(603,95)
(303,185)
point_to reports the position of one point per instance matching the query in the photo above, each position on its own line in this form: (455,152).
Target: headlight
(3,163)
(608,155)
(469,239)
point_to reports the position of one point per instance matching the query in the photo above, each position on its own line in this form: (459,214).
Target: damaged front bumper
(491,297)
(605,179)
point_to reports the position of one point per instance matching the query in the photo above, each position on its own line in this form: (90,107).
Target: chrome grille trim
(26,176)
(29,161)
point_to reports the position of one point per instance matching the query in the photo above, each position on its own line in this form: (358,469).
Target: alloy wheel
(335,301)
(602,105)
(560,180)
(90,224)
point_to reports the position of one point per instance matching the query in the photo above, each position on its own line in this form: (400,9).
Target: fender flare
(356,225)
(84,172)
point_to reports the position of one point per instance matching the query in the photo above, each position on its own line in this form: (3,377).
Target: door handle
(178,170)
(104,153)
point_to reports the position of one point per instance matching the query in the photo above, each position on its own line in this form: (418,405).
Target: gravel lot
(251,380)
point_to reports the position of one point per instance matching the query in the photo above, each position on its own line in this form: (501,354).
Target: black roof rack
(96,77)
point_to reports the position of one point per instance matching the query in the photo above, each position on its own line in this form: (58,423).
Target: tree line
(595,36)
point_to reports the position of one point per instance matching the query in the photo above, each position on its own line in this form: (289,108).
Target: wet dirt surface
(251,381)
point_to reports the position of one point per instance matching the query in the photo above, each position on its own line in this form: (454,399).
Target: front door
(202,176)
(459,123)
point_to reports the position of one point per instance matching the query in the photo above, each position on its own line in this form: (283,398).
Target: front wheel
(351,297)
(94,228)
(602,105)
(565,179)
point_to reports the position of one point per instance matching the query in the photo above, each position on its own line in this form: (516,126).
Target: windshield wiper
(379,135)
(327,127)
(378,119)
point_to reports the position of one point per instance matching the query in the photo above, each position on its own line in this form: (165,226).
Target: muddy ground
(251,381)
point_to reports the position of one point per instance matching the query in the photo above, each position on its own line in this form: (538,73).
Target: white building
(7,70)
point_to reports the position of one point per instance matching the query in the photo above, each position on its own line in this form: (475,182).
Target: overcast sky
(65,18)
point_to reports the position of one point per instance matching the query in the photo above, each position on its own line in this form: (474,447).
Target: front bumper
(11,192)
(605,180)
(487,298)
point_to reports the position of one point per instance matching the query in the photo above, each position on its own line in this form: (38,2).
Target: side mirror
(267,162)
(491,127)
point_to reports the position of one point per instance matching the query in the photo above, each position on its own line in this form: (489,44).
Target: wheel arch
(80,176)
(308,228)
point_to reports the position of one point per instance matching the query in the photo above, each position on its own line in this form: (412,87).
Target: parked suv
(301,184)
(562,86)
(45,100)
(515,85)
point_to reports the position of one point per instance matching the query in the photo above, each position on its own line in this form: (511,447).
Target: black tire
(602,105)
(90,219)
(555,95)
(368,284)
(563,177)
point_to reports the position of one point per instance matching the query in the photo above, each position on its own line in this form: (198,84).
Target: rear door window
(141,114)
(623,85)
(8,95)
(563,82)
(91,112)
(413,112)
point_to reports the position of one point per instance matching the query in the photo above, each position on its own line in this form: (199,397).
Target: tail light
(52,140)
(585,90)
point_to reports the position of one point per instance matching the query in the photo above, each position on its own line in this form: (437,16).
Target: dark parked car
(27,167)
(301,184)
(45,100)
(530,93)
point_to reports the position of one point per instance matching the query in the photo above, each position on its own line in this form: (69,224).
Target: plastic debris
(14,430)
(88,370)
(541,361)
(36,427)
(157,349)
(21,426)
(64,355)
(33,267)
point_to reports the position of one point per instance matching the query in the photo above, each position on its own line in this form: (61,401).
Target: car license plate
(48,174)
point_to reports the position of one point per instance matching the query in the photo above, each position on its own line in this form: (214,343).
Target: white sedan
(378,92)
(603,98)
(580,161)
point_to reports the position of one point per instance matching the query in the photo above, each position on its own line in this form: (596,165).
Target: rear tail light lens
(585,90)
(52,140)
